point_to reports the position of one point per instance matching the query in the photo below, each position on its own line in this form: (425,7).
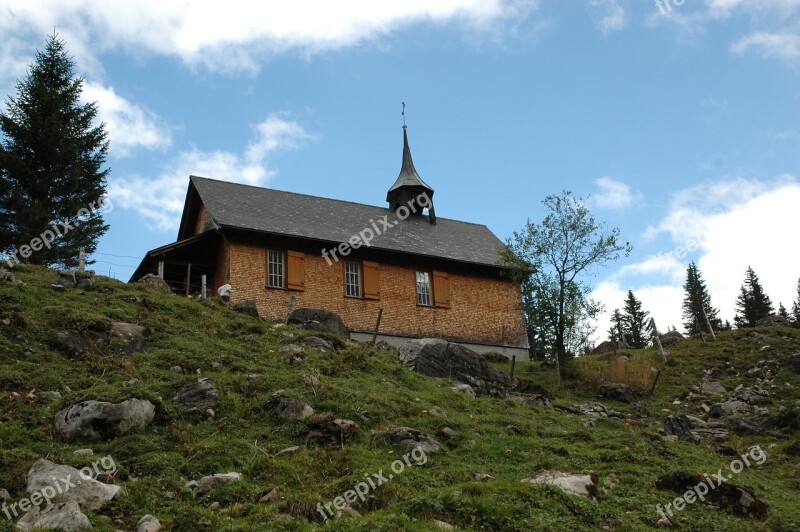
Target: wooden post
(513,365)
(82,259)
(203,286)
(291,308)
(699,329)
(161,269)
(377,325)
(710,328)
(657,340)
(655,381)
(188,277)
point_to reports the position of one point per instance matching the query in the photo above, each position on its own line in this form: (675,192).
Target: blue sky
(680,122)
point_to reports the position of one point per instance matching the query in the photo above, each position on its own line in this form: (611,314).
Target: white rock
(573,483)
(62,516)
(69,484)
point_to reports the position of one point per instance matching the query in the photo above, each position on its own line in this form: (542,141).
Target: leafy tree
(616,330)
(555,257)
(752,304)
(634,319)
(51,164)
(695,301)
(796,307)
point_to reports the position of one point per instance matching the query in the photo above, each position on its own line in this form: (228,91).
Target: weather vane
(404,114)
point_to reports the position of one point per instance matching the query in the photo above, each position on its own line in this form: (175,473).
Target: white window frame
(353,279)
(424,289)
(276,269)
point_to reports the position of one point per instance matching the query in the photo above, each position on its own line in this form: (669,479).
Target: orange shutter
(372,280)
(296,271)
(441,290)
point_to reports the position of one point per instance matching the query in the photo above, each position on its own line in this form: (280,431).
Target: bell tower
(409,189)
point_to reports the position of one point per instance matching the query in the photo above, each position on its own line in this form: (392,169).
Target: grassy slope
(370,387)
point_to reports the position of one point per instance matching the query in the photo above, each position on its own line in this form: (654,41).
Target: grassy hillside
(369,386)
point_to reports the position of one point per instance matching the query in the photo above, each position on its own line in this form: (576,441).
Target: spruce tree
(796,307)
(635,321)
(752,304)
(51,165)
(616,329)
(783,313)
(695,301)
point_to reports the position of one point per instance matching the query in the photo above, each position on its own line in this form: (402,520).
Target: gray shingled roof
(286,213)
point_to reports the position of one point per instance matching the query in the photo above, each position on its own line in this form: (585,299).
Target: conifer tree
(51,165)
(783,313)
(796,307)
(695,301)
(616,329)
(752,304)
(634,319)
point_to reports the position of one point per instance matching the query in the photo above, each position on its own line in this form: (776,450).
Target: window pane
(275,268)
(352,279)
(423,288)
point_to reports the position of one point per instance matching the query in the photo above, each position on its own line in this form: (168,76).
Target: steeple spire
(409,185)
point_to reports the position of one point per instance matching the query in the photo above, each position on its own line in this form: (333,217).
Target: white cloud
(613,16)
(160,201)
(784,46)
(733,224)
(129,126)
(234,37)
(612,194)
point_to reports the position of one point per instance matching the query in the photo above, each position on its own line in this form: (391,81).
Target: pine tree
(51,165)
(783,313)
(616,329)
(796,307)
(752,304)
(634,320)
(696,300)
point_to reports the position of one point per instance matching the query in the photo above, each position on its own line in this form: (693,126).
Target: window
(275,269)
(424,289)
(352,279)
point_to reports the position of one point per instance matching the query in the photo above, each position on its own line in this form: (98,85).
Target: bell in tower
(409,189)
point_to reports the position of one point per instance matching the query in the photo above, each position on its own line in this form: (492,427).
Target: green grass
(370,387)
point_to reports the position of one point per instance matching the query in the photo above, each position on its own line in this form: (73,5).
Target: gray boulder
(670,338)
(453,361)
(325,428)
(61,516)
(794,363)
(148,523)
(100,420)
(409,351)
(608,347)
(318,320)
(208,483)
(320,345)
(126,338)
(728,497)
(154,282)
(198,396)
(616,391)
(584,485)
(75,343)
(775,320)
(291,408)
(7,277)
(44,476)
(412,438)
(247,307)
(680,426)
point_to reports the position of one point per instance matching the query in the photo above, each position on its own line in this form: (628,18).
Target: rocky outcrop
(616,391)
(61,516)
(154,282)
(291,408)
(670,338)
(209,482)
(584,485)
(453,361)
(412,439)
(126,338)
(680,426)
(7,277)
(325,428)
(727,497)
(198,396)
(775,320)
(99,420)
(247,307)
(318,320)
(69,484)
(608,347)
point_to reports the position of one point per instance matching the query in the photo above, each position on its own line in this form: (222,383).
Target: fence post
(377,325)
(203,286)
(657,340)
(291,308)
(710,328)
(82,259)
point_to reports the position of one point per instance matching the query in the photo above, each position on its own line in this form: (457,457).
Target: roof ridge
(191,177)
